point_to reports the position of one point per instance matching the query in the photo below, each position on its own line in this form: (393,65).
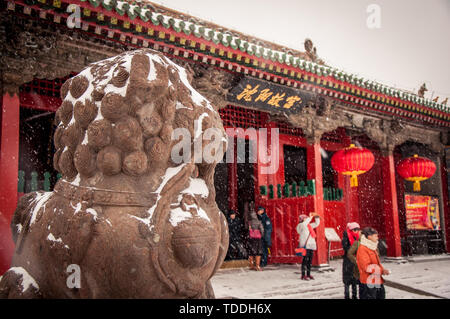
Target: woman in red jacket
(369,265)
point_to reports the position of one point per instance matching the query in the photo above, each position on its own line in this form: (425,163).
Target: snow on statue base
(126,220)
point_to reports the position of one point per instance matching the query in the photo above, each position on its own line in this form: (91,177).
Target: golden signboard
(268,96)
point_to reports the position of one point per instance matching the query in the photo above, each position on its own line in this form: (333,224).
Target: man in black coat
(235,249)
(348,237)
(267,239)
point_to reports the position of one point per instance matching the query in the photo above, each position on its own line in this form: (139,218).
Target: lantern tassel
(416,186)
(354,181)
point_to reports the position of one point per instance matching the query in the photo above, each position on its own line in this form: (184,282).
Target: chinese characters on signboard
(268,96)
(422,212)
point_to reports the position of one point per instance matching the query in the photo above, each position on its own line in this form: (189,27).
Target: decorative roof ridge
(182,22)
(162,15)
(223,44)
(249,38)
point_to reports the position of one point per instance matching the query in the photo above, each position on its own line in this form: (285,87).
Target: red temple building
(317,109)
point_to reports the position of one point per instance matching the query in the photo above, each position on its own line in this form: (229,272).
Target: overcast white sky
(411,46)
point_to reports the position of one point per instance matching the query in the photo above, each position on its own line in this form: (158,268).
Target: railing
(333,194)
(284,214)
(35,183)
(289,190)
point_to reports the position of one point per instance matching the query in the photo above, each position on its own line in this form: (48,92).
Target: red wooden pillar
(390,206)
(400,184)
(314,171)
(232,178)
(232,186)
(9,165)
(351,202)
(261,179)
(276,177)
(446,203)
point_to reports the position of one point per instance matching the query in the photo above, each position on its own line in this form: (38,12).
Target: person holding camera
(307,240)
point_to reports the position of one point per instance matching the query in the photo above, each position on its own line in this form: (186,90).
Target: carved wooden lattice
(45,87)
(235,116)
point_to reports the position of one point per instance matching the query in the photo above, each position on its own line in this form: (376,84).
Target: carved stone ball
(78,86)
(120,77)
(99,134)
(127,134)
(64,112)
(58,135)
(85,160)
(65,89)
(113,106)
(135,163)
(85,112)
(109,160)
(156,149)
(71,136)
(66,164)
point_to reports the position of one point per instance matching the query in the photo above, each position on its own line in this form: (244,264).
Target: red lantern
(416,169)
(353,161)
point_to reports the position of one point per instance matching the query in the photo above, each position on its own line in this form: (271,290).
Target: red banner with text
(422,212)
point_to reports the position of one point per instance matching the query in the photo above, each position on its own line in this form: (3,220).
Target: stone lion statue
(125,220)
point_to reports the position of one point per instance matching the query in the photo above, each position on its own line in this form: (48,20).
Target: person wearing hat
(369,266)
(351,255)
(349,237)
(267,239)
(307,240)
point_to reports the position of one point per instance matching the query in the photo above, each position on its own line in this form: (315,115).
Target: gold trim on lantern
(353,177)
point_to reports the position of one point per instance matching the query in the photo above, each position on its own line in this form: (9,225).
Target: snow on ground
(283,282)
(430,276)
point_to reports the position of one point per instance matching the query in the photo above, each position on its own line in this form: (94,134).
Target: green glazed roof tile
(94,3)
(121,7)
(108,5)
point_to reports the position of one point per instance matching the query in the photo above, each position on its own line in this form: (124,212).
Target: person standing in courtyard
(256,232)
(369,265)
(267,238)
(351,255)
(235,230)
(349,237)
(307,240)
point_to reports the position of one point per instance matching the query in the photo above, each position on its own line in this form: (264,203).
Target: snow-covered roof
(260,58)
(149,12)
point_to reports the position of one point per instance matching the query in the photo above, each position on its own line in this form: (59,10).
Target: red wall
(335,217)
(9,165)
(370,197)
(400,184)
(284,216)
(284,212)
